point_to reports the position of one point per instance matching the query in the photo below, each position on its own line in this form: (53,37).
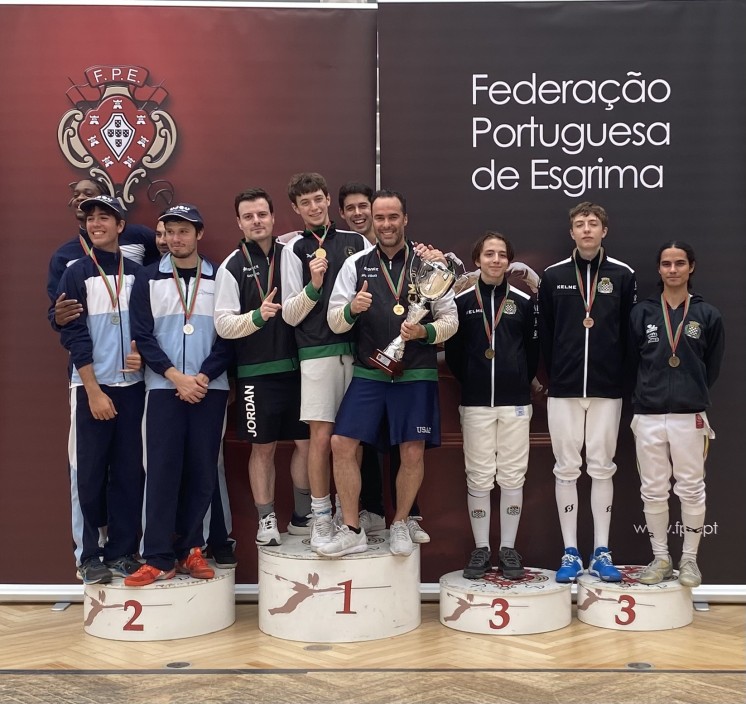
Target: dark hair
(490,235)
(307,182)
(254,194)
(684,247)
(101,186)
(385,193)
(587,208)
(352,187)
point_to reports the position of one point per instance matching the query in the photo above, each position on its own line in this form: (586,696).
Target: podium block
(631,606)
(181,607)
(497,606)
(360,597)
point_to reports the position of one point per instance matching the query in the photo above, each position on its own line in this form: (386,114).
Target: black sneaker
(300,525)
(479,564)
(223,556)
(124,566)
(93,571)
(509,563)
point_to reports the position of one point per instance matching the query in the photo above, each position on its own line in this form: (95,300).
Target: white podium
(631,606)
(181,607)
(494,605)
(361,597)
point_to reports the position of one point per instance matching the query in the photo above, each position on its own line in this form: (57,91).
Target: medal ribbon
(84,245)
(395,291)
(498,315)
(187,306)
(587,302)
(270,276)
(321,239)
(113,292)
(673,339)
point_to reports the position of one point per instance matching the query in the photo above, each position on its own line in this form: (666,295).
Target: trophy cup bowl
(431,281)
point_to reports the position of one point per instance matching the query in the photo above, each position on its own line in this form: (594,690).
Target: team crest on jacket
(349,251)
(510,307)
(693,329)
(605,285)
(116,128)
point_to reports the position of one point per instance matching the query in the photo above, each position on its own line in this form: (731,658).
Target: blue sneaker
(601,566)
(571,568)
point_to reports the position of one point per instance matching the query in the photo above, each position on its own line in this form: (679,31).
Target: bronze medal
(115,319)
(673,361)
(320,253)
(399,309)
(588,322)
(489,353)
(188,329)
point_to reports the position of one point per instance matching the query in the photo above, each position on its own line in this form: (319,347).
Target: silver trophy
(431,281)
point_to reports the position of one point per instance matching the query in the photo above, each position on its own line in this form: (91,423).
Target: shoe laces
(196,559)
(603,557)
(323,526)
(510,557)
(269,522)
(568,559)
(399,531)
(479,557)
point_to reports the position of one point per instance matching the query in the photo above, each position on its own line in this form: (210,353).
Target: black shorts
(269,408)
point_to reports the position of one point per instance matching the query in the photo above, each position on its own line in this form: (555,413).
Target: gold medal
(399,309)
(115,319)
(188,329)
(489,353)
(320,253)
(673,361)
(588,322)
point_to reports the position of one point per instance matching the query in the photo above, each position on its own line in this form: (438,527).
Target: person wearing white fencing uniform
(678,341)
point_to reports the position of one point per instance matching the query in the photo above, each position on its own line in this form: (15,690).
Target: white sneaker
(344,542)
(322,530)
(416,531)
(372,522)
(268,533)
(689,574)
(400,542)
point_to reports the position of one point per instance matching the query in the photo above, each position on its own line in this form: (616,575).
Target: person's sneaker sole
(345,551)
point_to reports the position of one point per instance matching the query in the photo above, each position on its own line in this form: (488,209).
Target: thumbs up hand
(133,361)
(362,300)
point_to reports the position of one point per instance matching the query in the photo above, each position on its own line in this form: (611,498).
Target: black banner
(504,115)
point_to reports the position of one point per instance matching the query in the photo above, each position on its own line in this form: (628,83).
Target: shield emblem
(117,135)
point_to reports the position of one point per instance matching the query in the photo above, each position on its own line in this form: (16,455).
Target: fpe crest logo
(117,129)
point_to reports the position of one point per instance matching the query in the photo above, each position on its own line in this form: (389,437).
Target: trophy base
(382,361)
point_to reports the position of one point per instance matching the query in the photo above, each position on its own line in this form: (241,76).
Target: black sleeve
(715,348)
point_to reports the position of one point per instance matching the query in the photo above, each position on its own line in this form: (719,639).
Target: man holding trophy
(395,290)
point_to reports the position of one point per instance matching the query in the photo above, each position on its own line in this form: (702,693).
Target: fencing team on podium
(299,320)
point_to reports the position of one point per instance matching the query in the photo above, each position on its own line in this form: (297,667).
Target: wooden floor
(46,657)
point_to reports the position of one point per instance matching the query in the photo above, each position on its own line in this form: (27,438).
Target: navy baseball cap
(183,211)
(103,201)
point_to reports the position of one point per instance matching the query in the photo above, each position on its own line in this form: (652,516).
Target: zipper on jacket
(492,361)
(587,331)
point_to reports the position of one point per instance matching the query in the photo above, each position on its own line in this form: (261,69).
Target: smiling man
(494,356)
(248,292)
(370,299)
(584,308)
(310,264)
(106,400)
(187,391)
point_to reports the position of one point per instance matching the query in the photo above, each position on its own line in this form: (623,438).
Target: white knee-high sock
(693,518)
(602,496)
(478,503)
(656,516)
(566,494)
(511,505)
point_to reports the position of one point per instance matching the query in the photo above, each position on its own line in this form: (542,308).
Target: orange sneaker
(196,566)
(147,574)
